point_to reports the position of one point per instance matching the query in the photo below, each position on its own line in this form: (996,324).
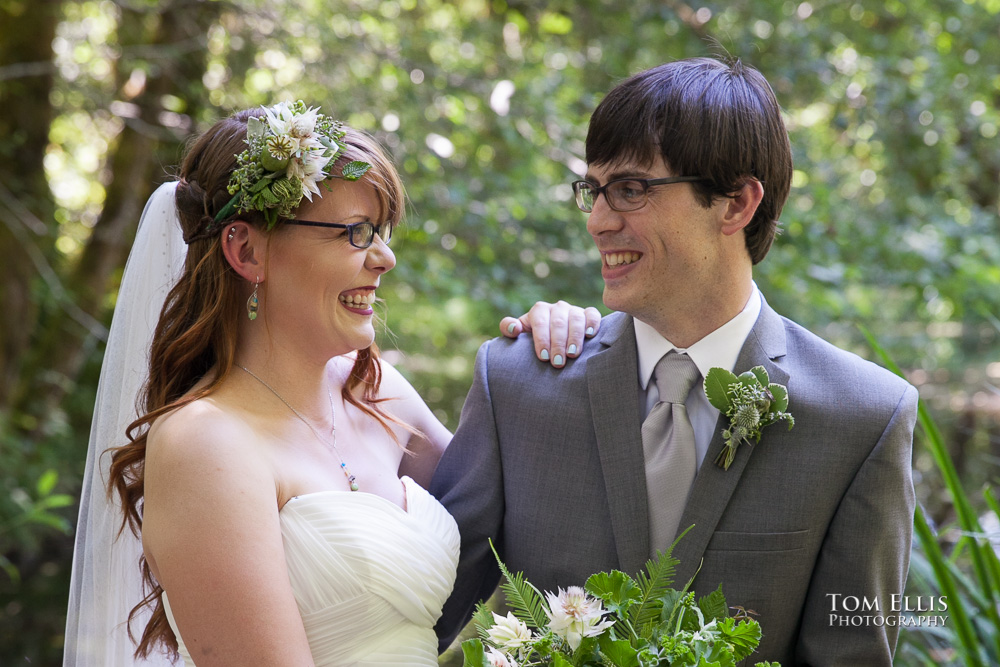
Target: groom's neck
(686,318)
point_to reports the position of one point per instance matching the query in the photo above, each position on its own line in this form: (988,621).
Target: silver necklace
(351,479)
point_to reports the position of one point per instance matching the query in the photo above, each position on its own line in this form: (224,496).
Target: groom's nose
(603,220)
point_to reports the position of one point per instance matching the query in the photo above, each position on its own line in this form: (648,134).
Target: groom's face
(661,256)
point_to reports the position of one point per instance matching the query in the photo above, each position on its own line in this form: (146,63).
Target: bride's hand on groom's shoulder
(559,329)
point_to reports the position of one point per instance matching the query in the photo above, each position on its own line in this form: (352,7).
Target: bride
(277,470)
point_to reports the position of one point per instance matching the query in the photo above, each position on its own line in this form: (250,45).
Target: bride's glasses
(359,234)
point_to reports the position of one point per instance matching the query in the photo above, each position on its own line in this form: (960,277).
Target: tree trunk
(26,73)
(173,56)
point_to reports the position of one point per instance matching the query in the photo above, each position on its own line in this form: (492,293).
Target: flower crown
(287,153)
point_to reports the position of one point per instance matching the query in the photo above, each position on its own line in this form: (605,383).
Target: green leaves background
(892,220)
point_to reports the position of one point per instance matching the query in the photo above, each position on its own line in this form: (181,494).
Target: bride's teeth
(357,300)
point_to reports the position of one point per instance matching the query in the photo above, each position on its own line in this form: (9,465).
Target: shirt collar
(720,348)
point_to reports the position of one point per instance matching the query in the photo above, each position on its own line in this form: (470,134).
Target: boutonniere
(750,401)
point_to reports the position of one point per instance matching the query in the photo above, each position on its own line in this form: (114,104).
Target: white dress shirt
(720,348)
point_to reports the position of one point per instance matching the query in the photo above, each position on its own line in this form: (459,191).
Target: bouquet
(615,620)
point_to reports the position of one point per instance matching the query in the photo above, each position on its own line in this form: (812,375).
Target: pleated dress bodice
(370,578)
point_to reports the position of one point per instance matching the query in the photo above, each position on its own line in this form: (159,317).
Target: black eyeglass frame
(645,182)
(350,229)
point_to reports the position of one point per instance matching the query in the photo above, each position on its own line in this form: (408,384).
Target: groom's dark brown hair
(706,118)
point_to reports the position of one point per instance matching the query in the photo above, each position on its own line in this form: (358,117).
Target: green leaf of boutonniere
(780,394)
(750,402)
(761,374)
(717,384)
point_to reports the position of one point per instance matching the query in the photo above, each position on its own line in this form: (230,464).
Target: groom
(579,470)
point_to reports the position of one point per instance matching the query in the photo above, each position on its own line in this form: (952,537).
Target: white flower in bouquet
(509,632)
(613,621)
(498,659)
(574,615)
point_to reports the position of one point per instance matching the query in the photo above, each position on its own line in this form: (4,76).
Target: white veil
(106,582)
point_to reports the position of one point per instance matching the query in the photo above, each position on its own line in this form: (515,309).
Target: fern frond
(483,620)
(653,584)
(526,601)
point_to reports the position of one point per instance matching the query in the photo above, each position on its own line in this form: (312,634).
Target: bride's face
(321,288)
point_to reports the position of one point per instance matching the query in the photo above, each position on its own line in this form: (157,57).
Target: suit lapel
(713,487)
(612,380)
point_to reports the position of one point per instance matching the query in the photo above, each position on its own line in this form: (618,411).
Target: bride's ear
(243,246)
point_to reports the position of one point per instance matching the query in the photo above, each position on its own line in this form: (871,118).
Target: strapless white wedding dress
(369,577)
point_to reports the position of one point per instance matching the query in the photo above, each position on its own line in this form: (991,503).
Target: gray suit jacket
(549,465)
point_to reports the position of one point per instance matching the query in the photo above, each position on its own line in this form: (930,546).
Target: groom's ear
(741,206)
(243,246)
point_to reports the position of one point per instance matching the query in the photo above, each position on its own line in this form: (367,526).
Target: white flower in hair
(284,120)
(287,155)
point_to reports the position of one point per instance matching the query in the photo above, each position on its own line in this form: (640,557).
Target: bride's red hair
(197,330)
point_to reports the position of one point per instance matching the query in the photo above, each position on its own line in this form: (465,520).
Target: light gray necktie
(668,448)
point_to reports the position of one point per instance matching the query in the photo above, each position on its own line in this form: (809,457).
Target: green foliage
(482,619)
(654,584)
(527,601)
(713,605)
(629,622)
(31,509)
(354,170)
(618,591)
(484,105)
(475,655)
(972,632)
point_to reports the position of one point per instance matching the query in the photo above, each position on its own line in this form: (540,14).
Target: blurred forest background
(892,222)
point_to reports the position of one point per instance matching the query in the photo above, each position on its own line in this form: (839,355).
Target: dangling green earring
(252,303)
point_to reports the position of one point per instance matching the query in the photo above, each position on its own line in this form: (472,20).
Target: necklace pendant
(351,479)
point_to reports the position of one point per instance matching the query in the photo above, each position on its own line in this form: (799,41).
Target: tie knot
(675,374)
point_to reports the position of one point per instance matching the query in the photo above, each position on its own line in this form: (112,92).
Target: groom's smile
(613,259)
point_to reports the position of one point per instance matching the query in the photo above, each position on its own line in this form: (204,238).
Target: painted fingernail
(545,355)
(590,331)
(572,349)
(558,361)
(511,327)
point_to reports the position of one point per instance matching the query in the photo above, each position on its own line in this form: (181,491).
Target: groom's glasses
(624,194)
(359,234)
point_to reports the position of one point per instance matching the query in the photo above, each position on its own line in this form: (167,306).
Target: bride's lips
(358,300)
(616,263)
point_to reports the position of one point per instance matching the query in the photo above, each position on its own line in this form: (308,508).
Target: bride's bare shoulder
(201,433)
